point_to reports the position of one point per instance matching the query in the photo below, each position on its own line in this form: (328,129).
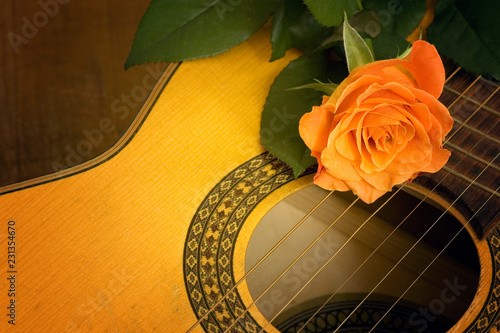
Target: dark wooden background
(65,96)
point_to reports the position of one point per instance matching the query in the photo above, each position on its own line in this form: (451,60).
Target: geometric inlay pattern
(211,237)
(209,246)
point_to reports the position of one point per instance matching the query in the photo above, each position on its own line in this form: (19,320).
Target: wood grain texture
(93,270)
(475,144)
(62,81)
(103,250)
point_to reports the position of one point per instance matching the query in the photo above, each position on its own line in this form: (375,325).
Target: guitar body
(148,235)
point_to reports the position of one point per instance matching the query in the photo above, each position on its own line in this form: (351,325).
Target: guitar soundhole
(362,268)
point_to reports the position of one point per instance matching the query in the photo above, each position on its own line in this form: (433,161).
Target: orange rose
(383,125)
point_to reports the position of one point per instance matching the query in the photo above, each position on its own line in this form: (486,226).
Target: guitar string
(201,318)
(254,301)
(327,301)
(315,241)
(404,256)
(294,262)
(469,118)
(483,135)
(373,252)
(261,260)
(274,282)
(432,262)
(365,221)
(489,164)
(465,91)
(274,247)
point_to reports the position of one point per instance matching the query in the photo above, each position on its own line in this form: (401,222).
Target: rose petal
(421,112)
(383,180)
(440,156)
(328,182)
(346,146)
(398,74)
(365,191)
(384,115)
(391,92)
(314,128)
(426,66)
(351,121)
(381,157)
(392,111)
(374,159)
(437,109)
(348,96)
(423,64)
(324,180)
(337,165)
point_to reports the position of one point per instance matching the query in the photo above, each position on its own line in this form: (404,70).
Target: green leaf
(365,22)
(389,45)
(286,15)
(330,13)
(284,108)
(174,30)
(357,51)
(467,33)
(398,17)
(294,26)
(307,33)
(398,20)
(327,88)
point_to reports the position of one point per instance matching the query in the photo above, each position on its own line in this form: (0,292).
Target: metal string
(390,234)
(303,253)
(430,264)
(465,154)
(404,256)
(291,231)
(261,260)
(493,194)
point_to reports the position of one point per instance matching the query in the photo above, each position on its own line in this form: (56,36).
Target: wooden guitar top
(103,246)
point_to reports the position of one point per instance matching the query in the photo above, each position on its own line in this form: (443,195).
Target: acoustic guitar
(178,226)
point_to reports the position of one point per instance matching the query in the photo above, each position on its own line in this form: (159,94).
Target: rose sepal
(327,88)
(357,51)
